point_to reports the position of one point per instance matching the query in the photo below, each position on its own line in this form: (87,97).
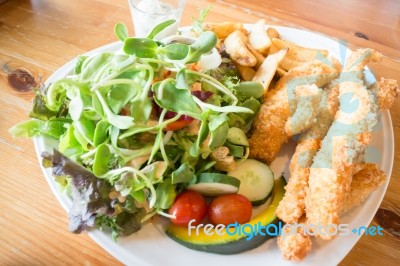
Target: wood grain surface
(39,36)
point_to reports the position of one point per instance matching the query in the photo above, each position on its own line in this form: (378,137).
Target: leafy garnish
(169,97)
(184,174)
(40,110)
(160,27)
(53,128)
(121,31)
(197,28)
(89,194)
(128,220)
(78,64)
(176,52)
(166,195)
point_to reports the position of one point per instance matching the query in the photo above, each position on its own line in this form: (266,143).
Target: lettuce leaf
(89,194)
(53,128)
(127,222)
(91,204)
(40,110)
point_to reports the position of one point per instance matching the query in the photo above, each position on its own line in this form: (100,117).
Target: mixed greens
(137,126)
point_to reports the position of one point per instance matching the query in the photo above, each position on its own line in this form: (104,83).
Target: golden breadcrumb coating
(359,59)
(363,183)
(343,147)
(330,174)
(295,246)
(337,181)
(388,91)
(308,98)
(294,243)
(268,129)
(292,206)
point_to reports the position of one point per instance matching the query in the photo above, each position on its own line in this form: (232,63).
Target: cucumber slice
(256,180)
(237,136)
(214,184)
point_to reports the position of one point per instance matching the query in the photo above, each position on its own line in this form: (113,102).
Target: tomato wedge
(179,124)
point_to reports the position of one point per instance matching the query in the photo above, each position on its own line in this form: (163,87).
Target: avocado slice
(230,243)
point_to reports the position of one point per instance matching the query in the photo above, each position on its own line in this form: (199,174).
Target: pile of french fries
(259,53)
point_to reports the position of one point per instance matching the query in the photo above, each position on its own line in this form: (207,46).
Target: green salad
(138,126)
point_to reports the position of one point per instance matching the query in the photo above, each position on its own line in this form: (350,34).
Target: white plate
(151,246)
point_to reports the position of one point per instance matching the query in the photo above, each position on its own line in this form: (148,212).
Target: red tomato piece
(230,208)
(176,125)
(188,205)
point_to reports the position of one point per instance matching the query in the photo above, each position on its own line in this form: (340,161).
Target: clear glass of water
(148,13)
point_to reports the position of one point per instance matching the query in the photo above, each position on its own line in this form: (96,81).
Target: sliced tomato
(177,125)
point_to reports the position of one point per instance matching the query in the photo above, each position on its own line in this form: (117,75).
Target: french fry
(267,70)
(280,71)
(258,38)
(247,73)
(273,49)
(299,53)
(288,63)
(223,29)
(260,58)
(273,33)
(235,45)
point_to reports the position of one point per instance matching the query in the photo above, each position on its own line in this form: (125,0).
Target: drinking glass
(148,13)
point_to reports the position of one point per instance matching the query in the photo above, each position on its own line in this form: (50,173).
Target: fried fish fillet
(363,183)
(388,91)
(292,206)
(268,129)
(294,243)
(343,147)
(308,98)
(332,168)
(296,246)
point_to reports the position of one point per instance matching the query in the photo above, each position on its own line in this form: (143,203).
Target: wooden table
(39,36)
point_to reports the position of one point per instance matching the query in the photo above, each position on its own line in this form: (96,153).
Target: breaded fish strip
(363,184)
(308,98)
(358,59)
(343,147)
(330,174)
(291,208)
(388,91)
(296,247)
(268,129)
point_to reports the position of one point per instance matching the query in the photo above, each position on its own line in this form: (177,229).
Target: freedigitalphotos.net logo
(281,229)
